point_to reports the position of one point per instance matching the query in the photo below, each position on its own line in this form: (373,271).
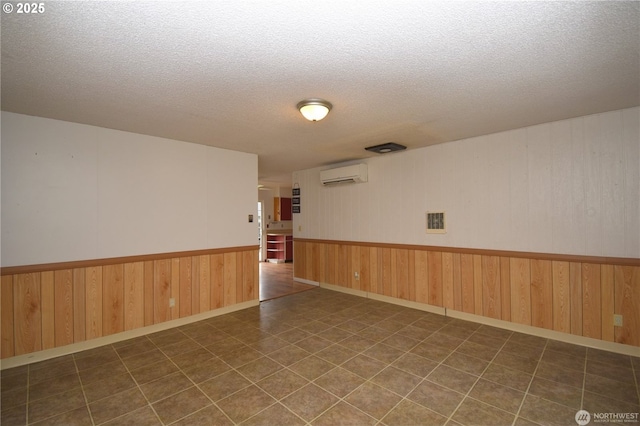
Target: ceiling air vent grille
(386,147)
(436,223)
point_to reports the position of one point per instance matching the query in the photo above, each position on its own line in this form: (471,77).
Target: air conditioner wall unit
(348,174)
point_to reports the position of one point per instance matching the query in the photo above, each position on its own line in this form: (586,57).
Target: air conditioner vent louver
(349,174)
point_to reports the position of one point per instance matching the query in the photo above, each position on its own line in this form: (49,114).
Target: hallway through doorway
(276,280)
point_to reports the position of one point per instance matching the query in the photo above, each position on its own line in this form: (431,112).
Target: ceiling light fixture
(314,109)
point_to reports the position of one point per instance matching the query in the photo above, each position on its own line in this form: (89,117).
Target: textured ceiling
(230,73)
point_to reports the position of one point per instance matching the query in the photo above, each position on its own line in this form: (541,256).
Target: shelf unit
(279,248)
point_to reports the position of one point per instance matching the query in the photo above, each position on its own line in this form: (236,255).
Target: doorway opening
(275,279)
(260,230)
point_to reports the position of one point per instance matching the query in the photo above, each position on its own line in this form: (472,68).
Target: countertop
(279,232)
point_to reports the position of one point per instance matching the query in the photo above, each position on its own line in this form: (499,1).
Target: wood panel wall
(43,309)
(571,296)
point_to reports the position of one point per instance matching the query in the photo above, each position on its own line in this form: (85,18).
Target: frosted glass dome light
(314,109)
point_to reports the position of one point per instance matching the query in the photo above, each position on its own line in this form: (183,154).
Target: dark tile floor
(324,358)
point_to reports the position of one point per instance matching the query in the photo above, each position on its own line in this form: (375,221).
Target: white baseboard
(507,325)
(303,281)
(387,299)
(408,304)
(346,290)
(548,334)
(46,354)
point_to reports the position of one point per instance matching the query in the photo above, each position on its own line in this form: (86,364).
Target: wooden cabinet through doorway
(282,208)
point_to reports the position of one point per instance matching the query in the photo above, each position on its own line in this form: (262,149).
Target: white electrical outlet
(356,275)
(617,320)
(172,302)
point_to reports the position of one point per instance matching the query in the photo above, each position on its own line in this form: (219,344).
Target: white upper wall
(74,192)
(567,187)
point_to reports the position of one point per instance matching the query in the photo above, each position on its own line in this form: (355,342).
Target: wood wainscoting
(570,294)
(53,305)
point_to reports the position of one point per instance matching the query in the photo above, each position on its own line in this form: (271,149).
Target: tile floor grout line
(341,399)
(56,394)
(28,394)
(450,418)
(312,382)
(197,386)
(584,379)
(254,383)
(597,390)
(489,363)
(138,386)
(635,372)
(560,403)
(362,352)
(403,398)
(277,402)
(533,376)
(388,364)
(284,367)
(84,394)
(422,380)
